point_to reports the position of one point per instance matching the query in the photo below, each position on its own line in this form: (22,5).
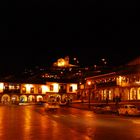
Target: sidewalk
(87,106)
(79,105)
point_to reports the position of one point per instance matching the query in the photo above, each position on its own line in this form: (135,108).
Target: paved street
(34,123)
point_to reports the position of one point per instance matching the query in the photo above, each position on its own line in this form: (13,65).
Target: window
(32,90)
(17,87)
(6,86)
(62,88)
(70,89)
(51,87)
(39,90)
(23,90)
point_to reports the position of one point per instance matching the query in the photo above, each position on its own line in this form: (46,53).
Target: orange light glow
(45,89)
(74,87)
(28,87)
(1,87)
(89,83)
(55,87)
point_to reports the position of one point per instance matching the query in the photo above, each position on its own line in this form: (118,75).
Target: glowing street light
(89,83)
(89,92)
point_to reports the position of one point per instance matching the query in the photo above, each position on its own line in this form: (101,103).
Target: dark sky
(68,21)
(39,32)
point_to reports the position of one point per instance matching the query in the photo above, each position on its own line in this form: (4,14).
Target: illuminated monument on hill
(63,62)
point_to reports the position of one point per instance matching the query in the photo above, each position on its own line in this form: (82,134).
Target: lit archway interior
(39,98)
(23,98)
(133,94)
(14,98)
(138,93)
(5,98)
(31,98)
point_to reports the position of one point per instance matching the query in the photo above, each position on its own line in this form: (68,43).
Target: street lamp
(89,92)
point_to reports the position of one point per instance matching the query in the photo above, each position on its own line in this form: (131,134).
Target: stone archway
(101,94)
(73,96)
(14,98)
(111,95)
(133,94)
(31,98)
(5,99)
(58,98)
(138,93)
(23,98)
(39,98)
(52,98)
(107,94)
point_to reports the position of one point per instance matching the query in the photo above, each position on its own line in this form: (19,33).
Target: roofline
(100,75)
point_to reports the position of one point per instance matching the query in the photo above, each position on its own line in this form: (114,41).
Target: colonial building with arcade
(40,86)
(29,92)
(122,82)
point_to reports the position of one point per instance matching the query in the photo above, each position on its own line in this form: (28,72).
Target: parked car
(51,106)
(63,103)
(128,109)
(102,108)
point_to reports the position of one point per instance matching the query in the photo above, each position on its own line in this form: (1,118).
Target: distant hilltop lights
(63,62)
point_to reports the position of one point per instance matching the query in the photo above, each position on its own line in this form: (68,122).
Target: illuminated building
(23,92)
(123,82)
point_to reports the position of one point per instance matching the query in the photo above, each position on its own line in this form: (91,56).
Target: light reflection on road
(33,123)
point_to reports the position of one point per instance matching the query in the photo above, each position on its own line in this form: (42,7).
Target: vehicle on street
(63,103)
(51,106)
(128,109)
(41,103)
(102,108)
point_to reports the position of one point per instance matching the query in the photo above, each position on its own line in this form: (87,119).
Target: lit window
(23,90)
(51,87)
(32,90)
(39,90)
(70,89)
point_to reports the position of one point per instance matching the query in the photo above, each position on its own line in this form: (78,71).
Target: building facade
(27,92)
(122,84)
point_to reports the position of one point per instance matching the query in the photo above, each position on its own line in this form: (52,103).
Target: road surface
(34,123)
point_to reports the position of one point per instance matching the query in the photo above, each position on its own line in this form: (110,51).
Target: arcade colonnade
(22,92)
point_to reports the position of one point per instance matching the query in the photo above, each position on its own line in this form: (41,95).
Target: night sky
(40,32)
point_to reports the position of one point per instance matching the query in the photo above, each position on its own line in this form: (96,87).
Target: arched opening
(39,98)
(101,93)
(52,98)
(31,98)
(133,94)
(107,94)
(23,98)
(138,93)
(58,98)
(14,99)
(5,99)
